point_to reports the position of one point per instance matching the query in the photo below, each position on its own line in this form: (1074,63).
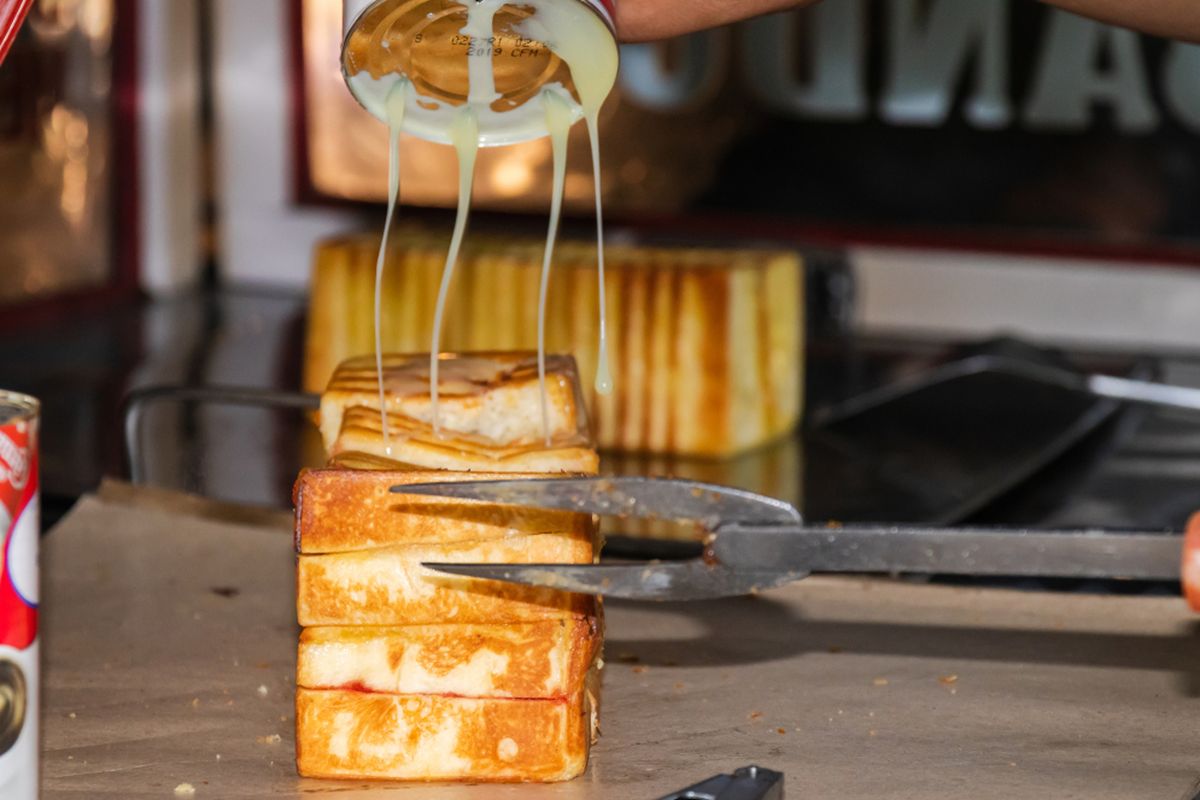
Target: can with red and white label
(18,597)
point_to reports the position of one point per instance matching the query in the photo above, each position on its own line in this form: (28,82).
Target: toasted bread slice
(414,443)
(545,659)
(489,404)
(340,510)
(341,734)
(388,585)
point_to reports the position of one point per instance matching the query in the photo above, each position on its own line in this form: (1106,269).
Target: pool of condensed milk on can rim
(535,45)
(19,686)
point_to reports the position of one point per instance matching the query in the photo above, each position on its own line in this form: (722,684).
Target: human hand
(646,20)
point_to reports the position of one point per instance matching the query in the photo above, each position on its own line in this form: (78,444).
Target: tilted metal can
(19,597)
(529,48)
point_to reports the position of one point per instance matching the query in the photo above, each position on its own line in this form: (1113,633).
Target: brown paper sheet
(169,641)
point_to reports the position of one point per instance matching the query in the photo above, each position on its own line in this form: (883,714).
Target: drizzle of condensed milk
(465,134)
(395,120)
(559,117)
(582,40)
(572,32)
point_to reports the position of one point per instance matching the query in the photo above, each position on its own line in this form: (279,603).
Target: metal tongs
(754,542)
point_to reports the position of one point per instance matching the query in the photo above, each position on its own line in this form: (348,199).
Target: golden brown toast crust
(342,734)
(388,585)
(548,659)
(341,510)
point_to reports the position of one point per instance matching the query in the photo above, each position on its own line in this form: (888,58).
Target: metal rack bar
(136,401)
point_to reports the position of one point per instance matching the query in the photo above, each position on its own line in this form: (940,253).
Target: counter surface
(169,641)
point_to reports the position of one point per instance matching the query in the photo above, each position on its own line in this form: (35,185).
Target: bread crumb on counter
(185,790)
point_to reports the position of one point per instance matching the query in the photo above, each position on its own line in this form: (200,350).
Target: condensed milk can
(18,597)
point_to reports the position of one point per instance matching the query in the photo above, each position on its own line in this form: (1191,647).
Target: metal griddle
(933,449)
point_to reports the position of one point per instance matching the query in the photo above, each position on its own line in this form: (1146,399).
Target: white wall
(168,119)
(1054,299)
(263,238)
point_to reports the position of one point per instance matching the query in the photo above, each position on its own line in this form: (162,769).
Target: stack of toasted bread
(410,674)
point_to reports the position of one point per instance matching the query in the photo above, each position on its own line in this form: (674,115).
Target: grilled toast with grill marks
(489,413)
(410,674)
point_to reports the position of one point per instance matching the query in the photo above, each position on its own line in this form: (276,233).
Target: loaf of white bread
(408,674)
(706,344)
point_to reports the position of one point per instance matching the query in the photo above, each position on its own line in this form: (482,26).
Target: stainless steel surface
(674,580)
(624,497)
(744,557)
(747,783)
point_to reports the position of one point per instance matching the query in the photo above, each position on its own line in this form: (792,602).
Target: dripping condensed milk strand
(395,120)
(572,32)
(464,134)
(466,144)
(558,121)
(575,31)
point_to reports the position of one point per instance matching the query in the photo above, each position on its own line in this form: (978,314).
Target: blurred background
(951,170)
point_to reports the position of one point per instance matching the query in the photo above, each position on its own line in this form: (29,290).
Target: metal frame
(137,400)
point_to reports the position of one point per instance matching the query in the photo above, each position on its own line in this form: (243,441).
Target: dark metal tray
(942,447)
